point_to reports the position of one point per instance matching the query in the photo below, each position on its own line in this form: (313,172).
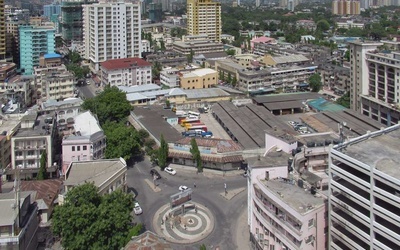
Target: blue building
(34,41)
(51,9)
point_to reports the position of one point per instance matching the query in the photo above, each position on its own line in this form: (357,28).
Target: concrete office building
(51,9)
(364,192)
(112,30)
(2,32)
(204,17)
(34,41)
(346,7)
(374,82)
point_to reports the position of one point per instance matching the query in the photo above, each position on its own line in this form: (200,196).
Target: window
(311,223)
(84,147)
(78,148)
(73,148)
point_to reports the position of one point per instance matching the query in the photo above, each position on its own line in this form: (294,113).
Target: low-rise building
(66,111)
(306,24)
(227,37)
(57,85)
(34,138)
(262,40)
(167,58)
(348,24)
(45,194)
(335,77)
(18,221)
(9,124)
(125,72)
(87,142)
(215,153)
(198,79)
(21,89)
(108,175)
(197,47)
(283,61)
(170,77)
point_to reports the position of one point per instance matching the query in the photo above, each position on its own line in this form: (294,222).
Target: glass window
(73,148)
(78,148)
(84,147)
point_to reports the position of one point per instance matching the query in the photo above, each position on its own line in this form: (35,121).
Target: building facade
(51,9)
(374,82)
(197,47)
(112,30)
(34,41)
(198,79)
(364,192)
(346,7)
(204,17)
(2,32)
(125,72)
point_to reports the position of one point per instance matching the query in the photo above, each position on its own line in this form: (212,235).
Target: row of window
(78,148)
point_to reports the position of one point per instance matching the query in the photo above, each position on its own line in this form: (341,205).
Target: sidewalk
(206,172)
(232,193)
(243,231)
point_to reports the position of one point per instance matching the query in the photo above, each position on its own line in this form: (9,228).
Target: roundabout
(188,223)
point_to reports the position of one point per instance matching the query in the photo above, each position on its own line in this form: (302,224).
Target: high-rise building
(346,7)
(364,188)
(72,20)
(34,42)
(51,9)
(2,32)
(155,12)
(374,76)
(204,17)
(112,30)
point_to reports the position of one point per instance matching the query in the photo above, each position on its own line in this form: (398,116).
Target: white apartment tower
(111,30)
(364,192)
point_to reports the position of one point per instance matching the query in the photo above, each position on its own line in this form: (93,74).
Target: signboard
(181,198)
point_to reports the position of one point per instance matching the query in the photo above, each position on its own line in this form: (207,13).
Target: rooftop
(50,104)
(9,125)
(290,59)
(98,171)
(198,72)
(125,63)
(41,125)
(46,190)
(272,159)
(139,88)
(204,93)
(148,241)
(378,150)
(222,145)
(87,124)
(7,202)
(297,198)
(52,55)
(321,104)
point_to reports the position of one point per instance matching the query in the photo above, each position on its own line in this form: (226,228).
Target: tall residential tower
(204,17)
(112,30)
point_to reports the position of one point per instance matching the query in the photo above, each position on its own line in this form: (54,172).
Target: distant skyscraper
(155,12)
(51,9)
(2,32)
(204,17)
(112,30)
(34,42)
(346,7)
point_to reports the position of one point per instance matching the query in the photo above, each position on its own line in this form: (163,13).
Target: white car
(182,188)
(170,171)
(138,210)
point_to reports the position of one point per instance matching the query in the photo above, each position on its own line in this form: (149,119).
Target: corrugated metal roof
(202,93)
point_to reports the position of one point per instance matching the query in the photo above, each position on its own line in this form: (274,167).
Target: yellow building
(204,17)
(198,79)
(346,7)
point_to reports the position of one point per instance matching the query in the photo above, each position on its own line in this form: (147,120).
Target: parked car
(154,172)
(137,209)
(170,170)
(182,188)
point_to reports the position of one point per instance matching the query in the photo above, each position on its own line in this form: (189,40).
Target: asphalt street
(207,192)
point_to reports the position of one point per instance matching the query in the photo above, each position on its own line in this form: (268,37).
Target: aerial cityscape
(200,124)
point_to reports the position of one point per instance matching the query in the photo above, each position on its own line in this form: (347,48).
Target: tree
(234,81)
(344,100)
(162,45)
(122,141)
(43,163)
(196,155)
(231,52)
(110,105)
(162,153)
(347,55)
(190,56)
(203,247)
(323,25)
(156,69)
(315,82)
(87,220)
(229,80)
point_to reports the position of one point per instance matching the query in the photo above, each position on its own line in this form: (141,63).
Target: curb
(232,193)
(151,185)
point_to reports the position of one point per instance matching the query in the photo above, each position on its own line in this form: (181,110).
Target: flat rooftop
(152,117)
(286,97)
(272,159)
(380,151)
(297,198)
(41,126)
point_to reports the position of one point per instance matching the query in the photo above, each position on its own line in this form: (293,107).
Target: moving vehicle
(154,172)
(170,170)
(137,209)
(183,188)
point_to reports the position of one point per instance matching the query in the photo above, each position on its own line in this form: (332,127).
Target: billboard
(181,198)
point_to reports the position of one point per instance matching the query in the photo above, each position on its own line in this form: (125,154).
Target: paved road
(86,91)
(207,192)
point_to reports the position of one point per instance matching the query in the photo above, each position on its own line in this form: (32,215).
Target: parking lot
(212,125)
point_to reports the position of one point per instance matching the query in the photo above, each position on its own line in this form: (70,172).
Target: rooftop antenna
(341,134)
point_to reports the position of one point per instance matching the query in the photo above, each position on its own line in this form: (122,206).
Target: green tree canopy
(42,174)
(122,141)
(315,82)
(162,153)
(196,155)
(344,100)
(87,220)
(323,25)
(109,105)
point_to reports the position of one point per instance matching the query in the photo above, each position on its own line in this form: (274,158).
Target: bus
(189,125)
(192,113)
(189,120)
(202,127)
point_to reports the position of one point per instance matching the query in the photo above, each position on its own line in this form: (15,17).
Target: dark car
(154,172)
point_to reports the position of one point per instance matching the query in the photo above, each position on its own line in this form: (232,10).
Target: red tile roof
(222,145)
(124,63)
(148,241)
(47,189)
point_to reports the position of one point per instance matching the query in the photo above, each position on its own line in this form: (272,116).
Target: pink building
(86,143)
(285,212)
(262,39)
